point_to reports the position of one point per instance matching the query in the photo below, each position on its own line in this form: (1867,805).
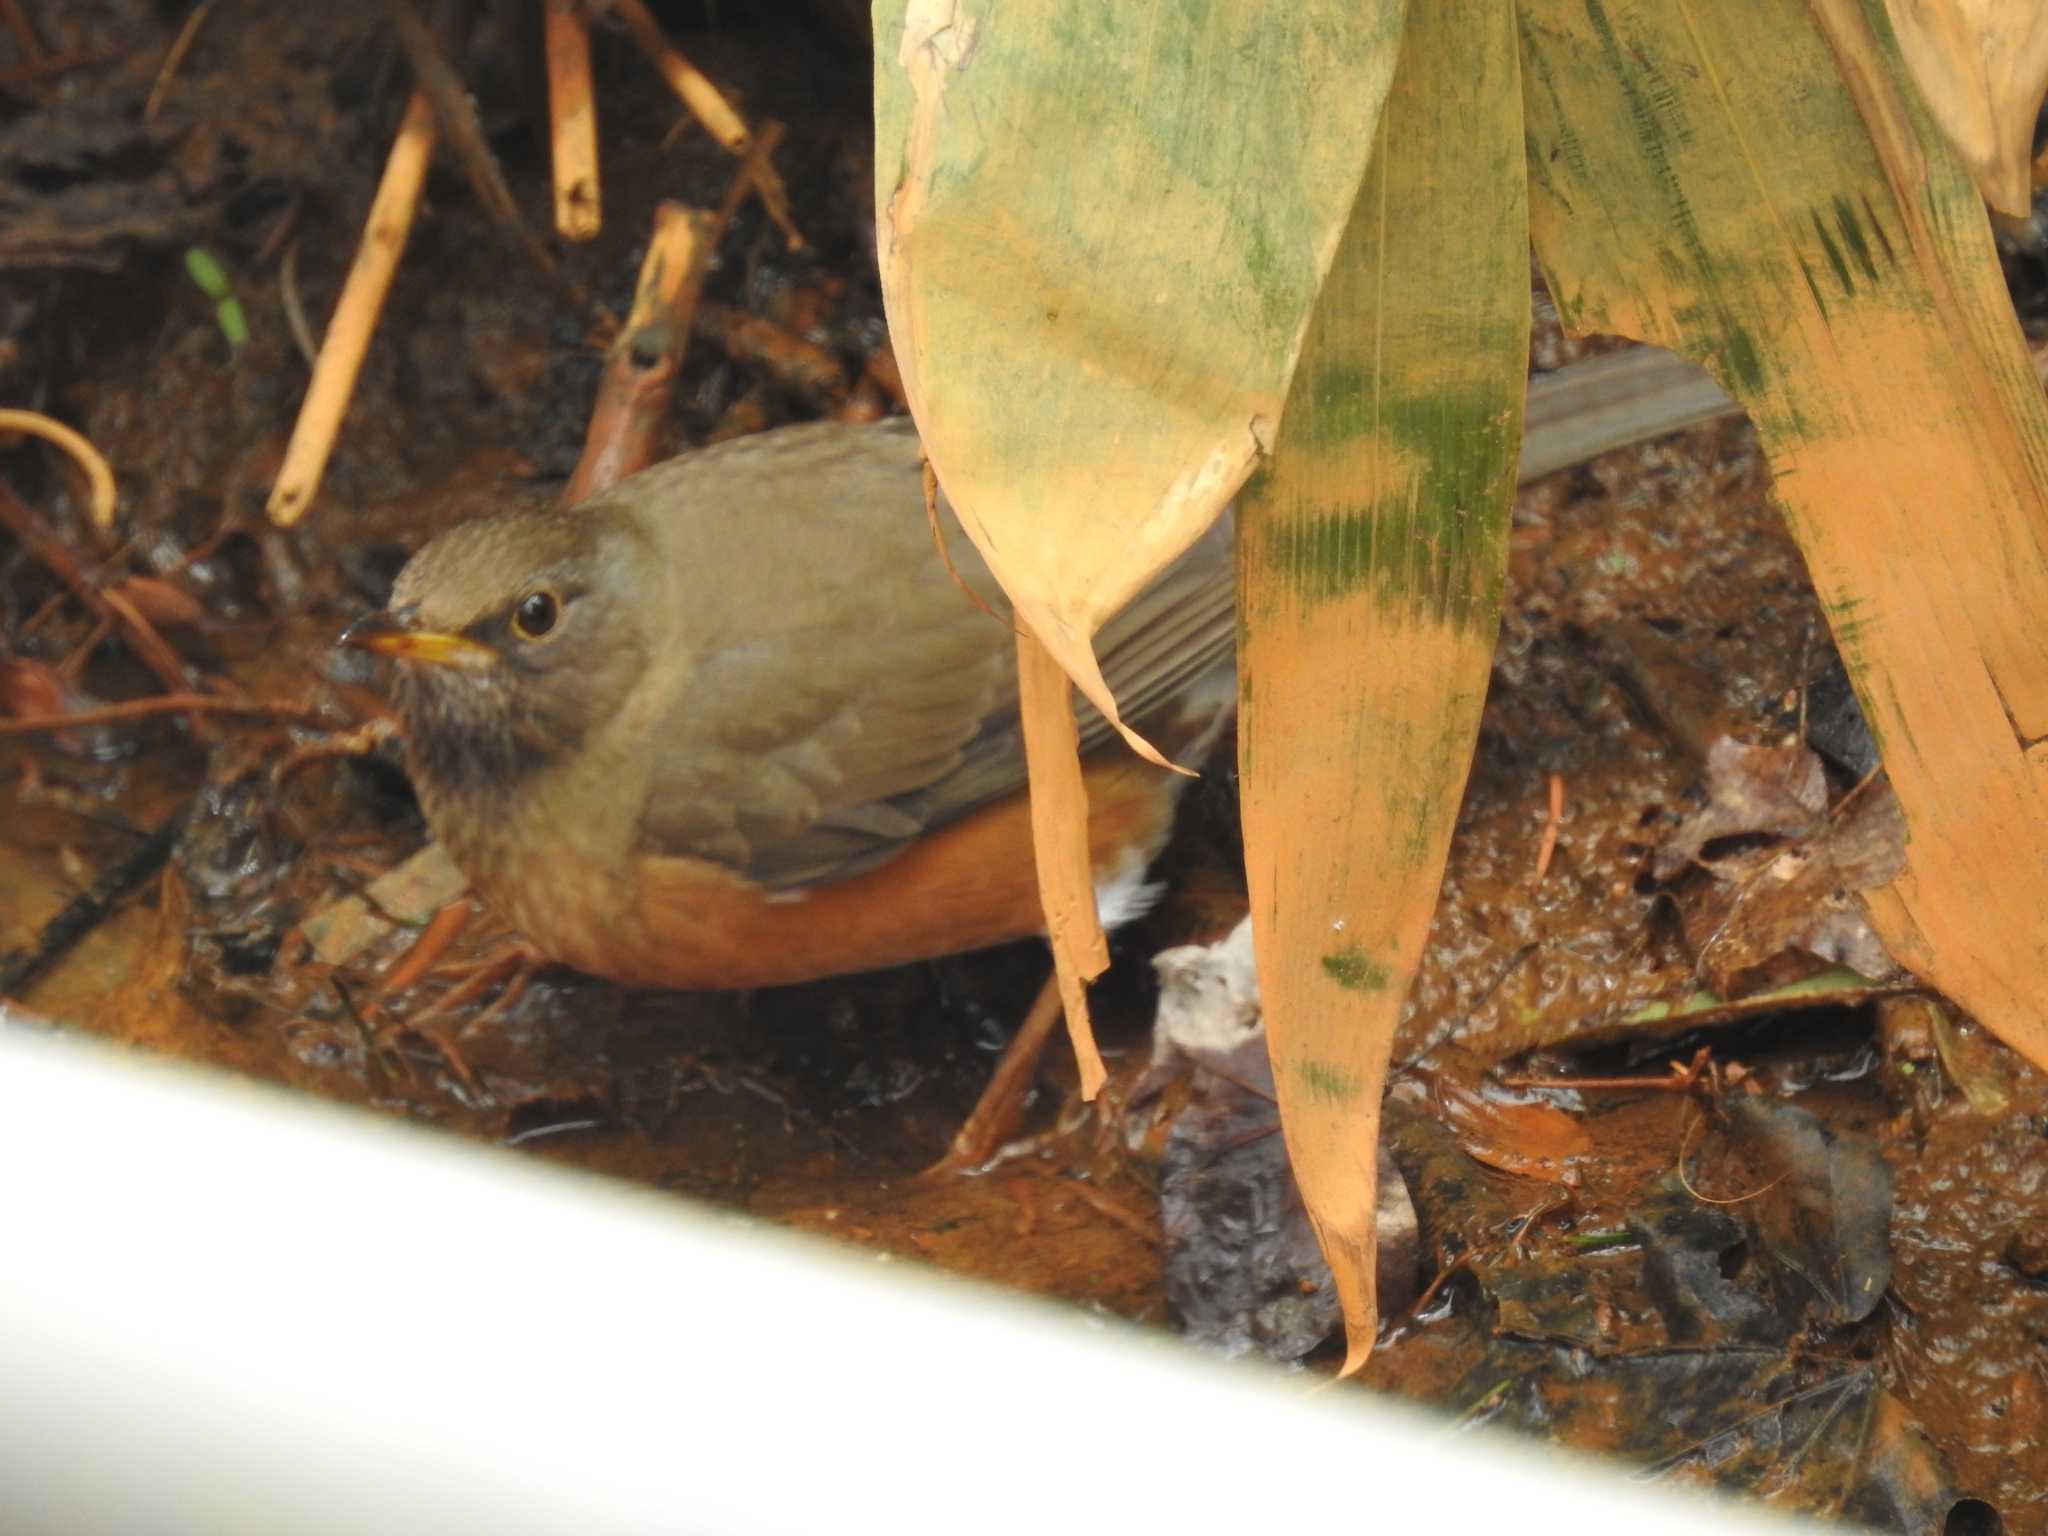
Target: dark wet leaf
(1827,1211)
(1243,1269)
(1778,791)
(1442,1179)
(1645,1407)
(1585,1301)
(1835,726)
(234,849)
(1806,1439)
(1698,1269)
(1843,1447)
(1905,1484)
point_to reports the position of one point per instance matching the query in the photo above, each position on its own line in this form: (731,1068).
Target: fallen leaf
(1778,791)
(1826,1213)
(160,601)
(1770,916)
(1529,1139)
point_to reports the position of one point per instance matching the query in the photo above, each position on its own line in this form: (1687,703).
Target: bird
(747,718)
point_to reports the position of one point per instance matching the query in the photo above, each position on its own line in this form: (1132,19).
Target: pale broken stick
(640,371)
(462,130)
(355,314)
(572,120)
(694,88)
(689,82)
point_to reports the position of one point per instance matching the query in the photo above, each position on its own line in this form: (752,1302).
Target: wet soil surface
(1843,1312)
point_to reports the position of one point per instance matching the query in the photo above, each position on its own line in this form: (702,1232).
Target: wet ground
(1697,1280)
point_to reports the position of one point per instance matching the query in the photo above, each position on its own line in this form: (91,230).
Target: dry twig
(428,948)
(708,106)
(40,541)
(1552,821)
(994,1117)
(455,111)
(690,83)
(355,314)
(181,45)
(640,375)
(572,119)
(161,704)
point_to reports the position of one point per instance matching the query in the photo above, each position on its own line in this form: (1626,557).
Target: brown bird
(734,722)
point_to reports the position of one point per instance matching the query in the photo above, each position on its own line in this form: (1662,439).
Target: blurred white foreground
(225,1309)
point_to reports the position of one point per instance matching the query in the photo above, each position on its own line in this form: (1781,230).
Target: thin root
(99,475)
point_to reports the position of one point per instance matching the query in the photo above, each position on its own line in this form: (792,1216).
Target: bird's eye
(537,614)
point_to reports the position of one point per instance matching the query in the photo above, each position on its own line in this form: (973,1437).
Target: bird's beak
(386,634)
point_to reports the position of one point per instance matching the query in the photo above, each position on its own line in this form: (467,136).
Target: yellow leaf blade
(1371,558)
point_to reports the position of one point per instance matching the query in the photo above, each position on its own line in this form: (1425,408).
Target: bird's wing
(841,669)
(858,696)
(1170,659)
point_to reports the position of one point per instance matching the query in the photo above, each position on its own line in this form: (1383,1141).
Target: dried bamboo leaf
(1744,182)
(1371,557)
(1982,69)
(1059,834)
(1102,229)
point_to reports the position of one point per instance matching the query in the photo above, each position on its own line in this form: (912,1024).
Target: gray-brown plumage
(734,721)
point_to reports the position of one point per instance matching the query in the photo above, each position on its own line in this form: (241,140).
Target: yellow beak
(384,634)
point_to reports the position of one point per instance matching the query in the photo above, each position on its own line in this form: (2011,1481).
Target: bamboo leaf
(1982,68)
(1745,182)
(1102,228)
(1371,558)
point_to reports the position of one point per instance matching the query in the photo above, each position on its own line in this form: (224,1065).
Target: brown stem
(639,377)
(41,541)
(160,704)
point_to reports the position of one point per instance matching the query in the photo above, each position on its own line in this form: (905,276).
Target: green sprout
(213,282)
